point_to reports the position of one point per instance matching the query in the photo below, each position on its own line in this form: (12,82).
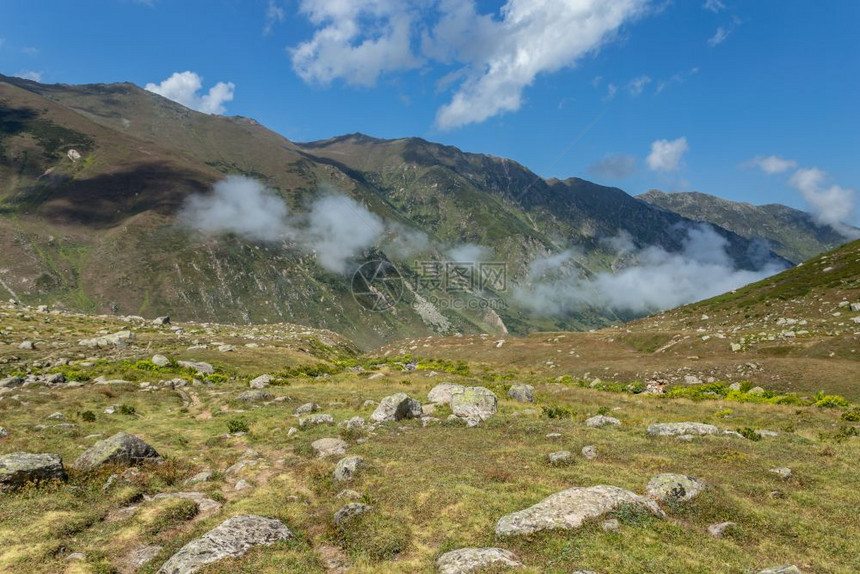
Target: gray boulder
(199,366)
(10,382)
(119,339)
(474,404)
(396,407)
(347,468)
(441,393)
(325,447)
(522,393)
(254,396)
(350,510)
(315,420)
(121,448)
(602,421)
(670,487)
(719,530)
(260,382)
(466,560)
(160,361)
(560,458)
(20,468)
(3,432)
(568,509)
(307,408)
(589,452)
(787,569)
(686,428)
(231,539)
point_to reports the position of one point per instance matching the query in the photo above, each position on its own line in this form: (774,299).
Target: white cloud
(771,164)
(719,36)
(667,155)
(184,88)
(714,6)
(637,85)
(275,14)
(616,166)
(356,40)
(656,280)
(831,205)
(495,57)
(30,75)
(611,90)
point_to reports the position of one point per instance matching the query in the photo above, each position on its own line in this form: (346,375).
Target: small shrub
(830,401)
(632,515)
(175,513)
(603,411)
(556,412)
(88,416)
(216,378)
(127,409)
(374,536)
(852,416)
(237,424)
(749,433)
(723,413)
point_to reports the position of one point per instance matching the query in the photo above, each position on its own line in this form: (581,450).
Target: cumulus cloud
(616,166)
(275,14)
(355,40)
(667,155)
(495,56)
(335,228)
(637,85)
(831,205)
(771,164)
(184,88)
(657,280)
(714,6)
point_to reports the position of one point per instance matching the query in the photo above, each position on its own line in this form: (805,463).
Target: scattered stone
(474,404)
(441,393)
(203,502)
(787,569)
(589,452)
(199,366)
(553,435)
(119,339)
(522,393)
(20,468)
(10,382)
(354,423)
(782,472)
(233,538)
(602,421)
(692,380)
(292,431)
(160,361)
(686,428)
(719,530)
(611,525)
(347,468)
(764,433)
(756,391)
(260,382)
(348,494)
(569,508)
(143,555)
(670,487)
(27,346)
(57,416)
(3,432)
(226,348)
(74,556)
(315,420)
(325,447)
(160,321)
(396,407)
(467,560)
(121,448)
(204,476)
(307,408)
(242,485)
(560,458)
(254,396)
(351,510)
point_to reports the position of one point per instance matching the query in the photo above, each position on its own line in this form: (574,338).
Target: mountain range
(107,206)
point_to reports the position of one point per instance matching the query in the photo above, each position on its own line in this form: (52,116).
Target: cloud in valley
(185,87)
(832,205)
(495,56)
(616,166)
(667,155)
(658,280)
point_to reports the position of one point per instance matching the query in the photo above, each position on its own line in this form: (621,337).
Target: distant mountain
(93,179)
(789,232)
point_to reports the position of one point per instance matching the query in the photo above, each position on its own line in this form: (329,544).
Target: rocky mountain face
(791,233)
(94,181)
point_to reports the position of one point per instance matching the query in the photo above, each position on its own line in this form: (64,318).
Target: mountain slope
(789,232)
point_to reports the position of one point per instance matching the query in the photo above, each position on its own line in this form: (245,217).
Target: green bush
(557,412)
(176,512)
(749,433)
(237,424)
(830,401)
(374,536)
(852,416)
(127,409)
(88,416)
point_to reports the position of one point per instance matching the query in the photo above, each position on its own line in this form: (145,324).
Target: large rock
(677,429)
(522,393)
(466,560)
(672,487)
(441,393)
(254,396)
(119,339)
(602,421)
(329,447)
(160,361)
(232,538)
(569,508)
(19,468)
(474,404)
(315,420)
(121,448)
(9,382)
(350,510)
(347,468)
(260,382)
(199,366)
(307,408)
(396,407)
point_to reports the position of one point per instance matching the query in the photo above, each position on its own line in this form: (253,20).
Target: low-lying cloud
(831,205)
(658,280)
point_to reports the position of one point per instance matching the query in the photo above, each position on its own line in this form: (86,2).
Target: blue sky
(751,101)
